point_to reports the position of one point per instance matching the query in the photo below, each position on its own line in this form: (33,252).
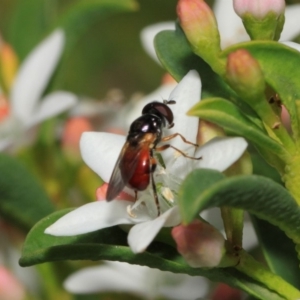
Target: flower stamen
(129,210)
(168,195)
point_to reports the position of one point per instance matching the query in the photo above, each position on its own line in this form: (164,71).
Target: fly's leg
(153,167)
(155,195)
(166,146)
(172,136)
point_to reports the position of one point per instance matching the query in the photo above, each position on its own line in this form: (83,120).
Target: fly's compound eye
(160,109)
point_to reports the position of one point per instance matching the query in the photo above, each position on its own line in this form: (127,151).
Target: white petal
(230,25)
(291,26)
(11,132)
(186,94)
(293,45)
(94,216)
(141,235)
(178,286)
(250,239)
(220,153)
(110,277)
(148,34)
(213,217)
(52,105)
(159,94)
(34,75)
(140,280)
(87,107)
(100,151)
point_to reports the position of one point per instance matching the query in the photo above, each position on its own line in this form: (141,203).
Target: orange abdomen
(141,176)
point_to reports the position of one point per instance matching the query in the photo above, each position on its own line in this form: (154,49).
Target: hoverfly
(136,163)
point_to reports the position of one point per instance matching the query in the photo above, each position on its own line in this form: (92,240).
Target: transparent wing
(123,170)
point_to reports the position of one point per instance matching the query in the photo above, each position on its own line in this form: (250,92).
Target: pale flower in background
(25,101)
(139,280)
(10,287)
(148,34)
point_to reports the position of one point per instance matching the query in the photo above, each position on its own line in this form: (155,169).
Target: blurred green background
(108,54)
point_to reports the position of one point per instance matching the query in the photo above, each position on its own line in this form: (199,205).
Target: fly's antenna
(169,102)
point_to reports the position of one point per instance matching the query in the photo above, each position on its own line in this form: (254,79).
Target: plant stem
(254,269)
(291,177)
(233,219)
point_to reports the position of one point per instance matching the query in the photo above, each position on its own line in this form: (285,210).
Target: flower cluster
(100,151)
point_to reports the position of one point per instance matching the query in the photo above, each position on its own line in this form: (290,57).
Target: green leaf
(256,194)
(22,199)
(261,167)
(278,65)
(229,116)
(278,250)
(111,244)
(175,54)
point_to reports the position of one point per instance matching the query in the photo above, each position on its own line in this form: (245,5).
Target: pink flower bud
(244,74)
(258,8)
(200,27)
(226,292)
(196,18)
(200,244)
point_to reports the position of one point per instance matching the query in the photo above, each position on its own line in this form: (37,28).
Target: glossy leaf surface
(111,244)
(278,250)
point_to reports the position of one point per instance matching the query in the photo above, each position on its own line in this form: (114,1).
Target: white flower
(139,280)
(28,107)
(100,152)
